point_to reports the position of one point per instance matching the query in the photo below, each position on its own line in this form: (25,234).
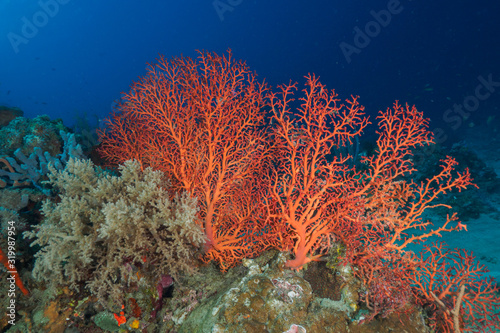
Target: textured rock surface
(270,298)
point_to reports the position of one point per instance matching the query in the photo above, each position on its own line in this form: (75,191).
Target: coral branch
(200,123)
(13,272)
(451,284)
(306,189)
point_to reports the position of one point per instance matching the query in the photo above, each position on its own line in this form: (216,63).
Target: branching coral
(200,121)
(203,123)
(109,232)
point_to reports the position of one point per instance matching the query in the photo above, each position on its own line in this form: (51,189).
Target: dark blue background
(430,54)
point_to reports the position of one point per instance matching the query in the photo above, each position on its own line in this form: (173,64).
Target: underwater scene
(247,166)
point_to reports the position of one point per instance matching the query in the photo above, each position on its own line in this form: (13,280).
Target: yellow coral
(134,324)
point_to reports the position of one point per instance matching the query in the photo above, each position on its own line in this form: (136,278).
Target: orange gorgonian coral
(200,122)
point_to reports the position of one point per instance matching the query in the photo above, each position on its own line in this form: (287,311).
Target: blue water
(76,57)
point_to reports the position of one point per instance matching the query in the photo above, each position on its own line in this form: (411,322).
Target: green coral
(106,321)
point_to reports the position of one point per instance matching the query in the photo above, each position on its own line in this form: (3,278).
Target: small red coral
(136,310)
(120,318)
(13,272)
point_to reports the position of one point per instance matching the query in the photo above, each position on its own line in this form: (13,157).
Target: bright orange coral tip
(120,318)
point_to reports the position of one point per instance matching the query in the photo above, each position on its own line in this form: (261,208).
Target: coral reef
(7,114)
(200,121)
(29,170)
(112,232)
(85,129)
(475,201)
(265,296)
(27,134)
(116,250)
(294,186)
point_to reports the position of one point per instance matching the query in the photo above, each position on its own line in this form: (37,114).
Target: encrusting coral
(114,232)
